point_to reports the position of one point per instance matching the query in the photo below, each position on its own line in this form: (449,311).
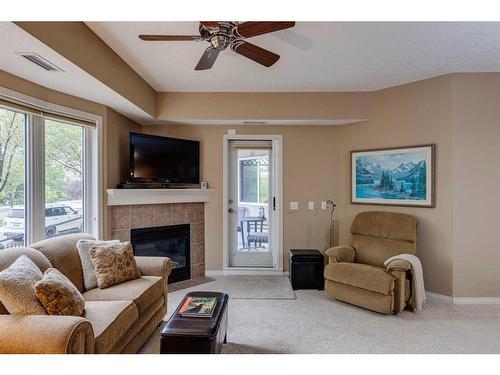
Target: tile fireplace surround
(127,217)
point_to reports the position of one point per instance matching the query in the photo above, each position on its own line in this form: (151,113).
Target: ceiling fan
(222,34)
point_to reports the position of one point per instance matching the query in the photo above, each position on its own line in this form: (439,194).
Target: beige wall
(23,86)
(317,165)
(476,185)
(115,156)
(458,112)
(69,39)
(417,113)
(262,105)
(309,162)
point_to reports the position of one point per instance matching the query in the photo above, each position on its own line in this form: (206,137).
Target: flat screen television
(163,159)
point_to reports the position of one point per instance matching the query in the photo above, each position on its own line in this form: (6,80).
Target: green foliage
(11,157)
(63,160)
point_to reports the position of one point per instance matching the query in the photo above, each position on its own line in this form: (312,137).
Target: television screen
(154,158)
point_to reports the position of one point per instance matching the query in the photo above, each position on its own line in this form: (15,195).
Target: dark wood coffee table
(187,335)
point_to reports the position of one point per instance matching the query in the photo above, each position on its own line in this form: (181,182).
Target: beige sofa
(356,274)
(118,319)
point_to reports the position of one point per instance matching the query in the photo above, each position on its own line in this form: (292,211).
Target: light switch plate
(323,205)
(311,205)
(294,205)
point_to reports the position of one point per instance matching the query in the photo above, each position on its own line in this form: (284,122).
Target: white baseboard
(476,300)
(463,300)
(244,271)
(439,297)
(213,273)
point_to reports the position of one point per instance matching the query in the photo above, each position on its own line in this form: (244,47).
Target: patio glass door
(250,202)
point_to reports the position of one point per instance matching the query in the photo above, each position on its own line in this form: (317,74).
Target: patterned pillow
(17,287)
(89,279)
(114,264)
(58,295)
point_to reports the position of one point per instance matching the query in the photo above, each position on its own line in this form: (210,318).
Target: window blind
(11,104)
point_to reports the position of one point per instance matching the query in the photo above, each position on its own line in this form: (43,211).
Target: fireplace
(172,241)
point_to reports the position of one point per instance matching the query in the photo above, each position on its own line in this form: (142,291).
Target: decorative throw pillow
(58,294)
(17,287)
(89,279)
(114,264)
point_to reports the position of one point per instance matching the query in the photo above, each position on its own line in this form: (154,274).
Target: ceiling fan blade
(250,29)
(255,53)
(207,59)
(210,24)
(159,38)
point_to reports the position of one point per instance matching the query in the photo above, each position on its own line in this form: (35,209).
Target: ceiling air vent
(40,61)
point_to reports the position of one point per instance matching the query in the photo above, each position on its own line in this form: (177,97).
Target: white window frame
(34,203)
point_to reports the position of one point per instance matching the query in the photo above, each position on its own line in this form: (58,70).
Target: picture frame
(395,176)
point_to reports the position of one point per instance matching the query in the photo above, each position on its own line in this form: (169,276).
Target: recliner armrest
(398,265)
(154,266)
(45,334)
(339,254)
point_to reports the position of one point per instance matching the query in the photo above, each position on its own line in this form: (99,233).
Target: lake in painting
(395,175)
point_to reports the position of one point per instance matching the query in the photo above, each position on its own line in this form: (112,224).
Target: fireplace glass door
(171,241)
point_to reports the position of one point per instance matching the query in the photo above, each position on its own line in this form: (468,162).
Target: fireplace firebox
(172,241)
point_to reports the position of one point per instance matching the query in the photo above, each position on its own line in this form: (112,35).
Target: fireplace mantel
(121,197)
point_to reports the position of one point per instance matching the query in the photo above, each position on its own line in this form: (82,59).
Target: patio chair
(259,236)
(241,211)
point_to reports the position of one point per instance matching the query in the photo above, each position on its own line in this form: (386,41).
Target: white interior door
(251,204)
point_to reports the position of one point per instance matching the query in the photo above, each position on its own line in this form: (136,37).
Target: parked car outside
(59,219)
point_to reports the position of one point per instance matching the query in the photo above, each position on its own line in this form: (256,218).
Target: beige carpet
(311,323)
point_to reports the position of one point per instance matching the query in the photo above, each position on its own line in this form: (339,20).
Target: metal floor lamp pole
(332,204)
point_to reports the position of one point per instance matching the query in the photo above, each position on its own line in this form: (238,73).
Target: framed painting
(400,176)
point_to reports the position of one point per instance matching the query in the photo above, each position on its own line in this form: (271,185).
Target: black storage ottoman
(306,269)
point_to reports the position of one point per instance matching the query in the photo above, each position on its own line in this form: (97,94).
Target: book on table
(198,307)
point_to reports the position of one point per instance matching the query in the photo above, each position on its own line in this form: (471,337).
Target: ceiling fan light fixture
(224,34)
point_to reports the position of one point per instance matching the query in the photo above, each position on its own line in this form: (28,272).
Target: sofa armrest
(398,265)
(341,254)
(154,266)
(45,334)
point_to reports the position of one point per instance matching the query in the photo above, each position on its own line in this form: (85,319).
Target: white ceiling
(315,56)
(72,80)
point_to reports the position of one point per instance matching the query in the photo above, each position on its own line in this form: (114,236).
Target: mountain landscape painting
(402,176)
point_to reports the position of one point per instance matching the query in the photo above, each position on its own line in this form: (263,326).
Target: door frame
(277,166)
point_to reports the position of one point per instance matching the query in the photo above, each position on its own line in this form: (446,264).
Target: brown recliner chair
(357,275)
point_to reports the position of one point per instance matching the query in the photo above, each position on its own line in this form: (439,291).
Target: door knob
(230,210)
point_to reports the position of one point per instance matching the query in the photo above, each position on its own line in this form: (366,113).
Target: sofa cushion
(110,321)
(143,291)
(363,276)
(62,253)
(89,279)
(17,287)
(114,264)
(58,295)
(9,255)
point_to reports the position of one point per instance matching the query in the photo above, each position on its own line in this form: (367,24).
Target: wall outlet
(311,205)
(294,205)
(323,205)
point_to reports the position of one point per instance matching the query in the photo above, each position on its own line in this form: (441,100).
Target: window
(46,179)
(63,177)
(254,179)
(12,184)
